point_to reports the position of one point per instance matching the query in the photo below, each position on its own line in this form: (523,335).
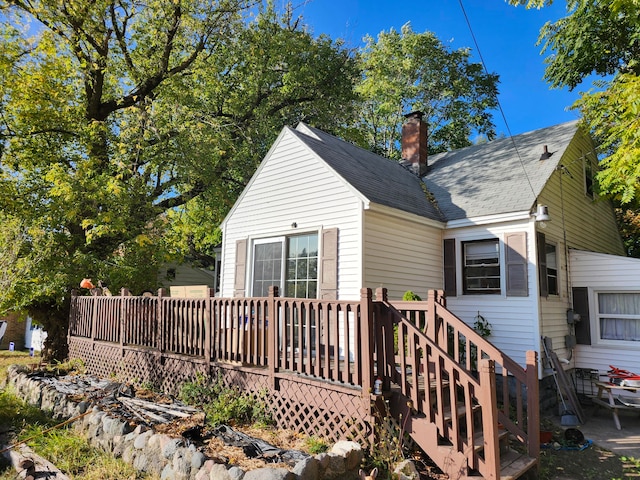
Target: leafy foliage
(119,121)
(602,38)
(223,404)
(407,71)
(597,37)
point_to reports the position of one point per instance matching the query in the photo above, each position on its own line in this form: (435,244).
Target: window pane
(621,303)
(619,316)
(552,269)
(481,270)
(267,267)
(302,266)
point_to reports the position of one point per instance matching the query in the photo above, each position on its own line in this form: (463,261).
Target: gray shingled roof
(379,179)
(490,179)
(480,180)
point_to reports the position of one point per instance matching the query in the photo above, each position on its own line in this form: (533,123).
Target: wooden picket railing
(436,371)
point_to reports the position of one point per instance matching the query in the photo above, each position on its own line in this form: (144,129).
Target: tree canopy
(602,38)
(118,116)
(407,71)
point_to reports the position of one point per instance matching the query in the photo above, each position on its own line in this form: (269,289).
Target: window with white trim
(618,316)
(289,262)
(481,267)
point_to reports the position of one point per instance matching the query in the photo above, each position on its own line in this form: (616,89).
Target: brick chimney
(414,143)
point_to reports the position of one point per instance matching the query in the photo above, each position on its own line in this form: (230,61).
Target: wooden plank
(567,388)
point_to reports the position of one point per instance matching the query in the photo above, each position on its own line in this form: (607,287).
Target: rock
(141,440)
(197,460)
(406,470)
(308,469)
(351,451)
(219,472)
(269,474)
(169,449)
(236,473)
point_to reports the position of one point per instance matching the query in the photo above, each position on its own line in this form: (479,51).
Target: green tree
(603,38)
(118,117)
(407,71)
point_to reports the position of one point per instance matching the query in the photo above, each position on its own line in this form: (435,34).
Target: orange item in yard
(86,283)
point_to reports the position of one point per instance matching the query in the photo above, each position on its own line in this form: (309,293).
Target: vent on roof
(546,154)
(414,143)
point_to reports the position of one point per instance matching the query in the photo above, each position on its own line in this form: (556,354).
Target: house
(22,332)
(502,227)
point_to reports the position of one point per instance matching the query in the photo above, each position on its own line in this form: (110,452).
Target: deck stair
(453,411)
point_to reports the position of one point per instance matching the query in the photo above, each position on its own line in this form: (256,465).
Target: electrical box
(572,316)
(570,341)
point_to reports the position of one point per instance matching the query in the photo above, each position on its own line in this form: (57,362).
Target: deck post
(366,339)
(489,402)
(430,330)
(272,336)
(533,410)
(208,326)
(160,331)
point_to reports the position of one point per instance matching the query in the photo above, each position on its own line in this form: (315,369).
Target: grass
(70,452)
(64,447)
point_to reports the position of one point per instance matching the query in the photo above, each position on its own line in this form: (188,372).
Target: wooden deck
(315,363)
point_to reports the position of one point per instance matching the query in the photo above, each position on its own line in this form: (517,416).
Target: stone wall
(170,457)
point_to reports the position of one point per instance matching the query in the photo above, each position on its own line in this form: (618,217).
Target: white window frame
(262,241)
(282,239)
(498,241)
(597,317)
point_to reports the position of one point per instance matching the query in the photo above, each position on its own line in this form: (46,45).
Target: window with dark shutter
(581,306)
(542,264)
(450,287)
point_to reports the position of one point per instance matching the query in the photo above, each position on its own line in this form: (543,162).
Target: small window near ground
(481,273)
(552,269)
(619,316)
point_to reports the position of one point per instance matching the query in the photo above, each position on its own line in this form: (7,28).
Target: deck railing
(448,373)
(434,351)
(323,340)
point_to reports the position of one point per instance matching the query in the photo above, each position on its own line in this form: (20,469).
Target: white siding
(293,186)
(599,273)
(401,255)
(514,320)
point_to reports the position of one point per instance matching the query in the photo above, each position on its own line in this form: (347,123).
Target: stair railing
(463,369)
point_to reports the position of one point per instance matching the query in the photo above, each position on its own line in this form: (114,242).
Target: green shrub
(409,296)
(223,404)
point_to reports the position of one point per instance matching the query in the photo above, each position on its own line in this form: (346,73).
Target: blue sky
(506,37)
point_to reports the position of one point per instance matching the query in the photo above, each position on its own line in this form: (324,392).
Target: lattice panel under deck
(310,409)
(320,412)
(175,372)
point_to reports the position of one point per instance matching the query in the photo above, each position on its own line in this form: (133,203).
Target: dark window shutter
(543,280)
(516,264)
(581,306)
(450,289)
(329,265)
(241,268)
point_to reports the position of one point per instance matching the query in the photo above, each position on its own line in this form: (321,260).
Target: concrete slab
(600,427)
